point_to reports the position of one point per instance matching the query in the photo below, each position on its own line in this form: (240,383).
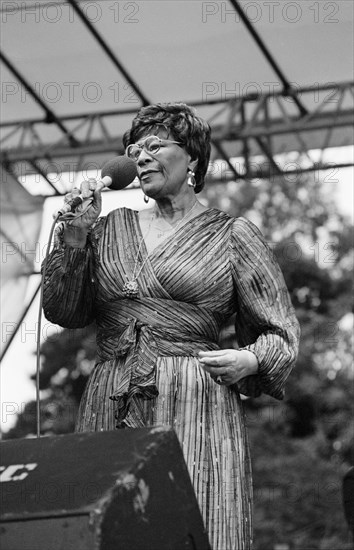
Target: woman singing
(160,283)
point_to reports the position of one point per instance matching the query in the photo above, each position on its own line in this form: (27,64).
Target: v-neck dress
(147,372)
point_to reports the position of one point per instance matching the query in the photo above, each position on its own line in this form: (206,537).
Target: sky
(20,363)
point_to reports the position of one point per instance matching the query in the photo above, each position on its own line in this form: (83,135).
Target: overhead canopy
(270,77)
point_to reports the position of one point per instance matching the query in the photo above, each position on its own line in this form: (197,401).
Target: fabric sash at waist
(140,330)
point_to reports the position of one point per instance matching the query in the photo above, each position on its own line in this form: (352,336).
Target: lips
(147,172)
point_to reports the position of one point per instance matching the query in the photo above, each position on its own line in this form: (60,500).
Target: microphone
(116,174)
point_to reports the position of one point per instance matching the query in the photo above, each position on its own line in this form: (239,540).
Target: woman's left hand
(228,366)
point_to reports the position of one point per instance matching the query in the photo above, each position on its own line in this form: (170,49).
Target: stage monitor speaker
(118,490)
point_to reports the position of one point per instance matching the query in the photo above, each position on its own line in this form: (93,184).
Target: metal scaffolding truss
(266,126)
(258,126)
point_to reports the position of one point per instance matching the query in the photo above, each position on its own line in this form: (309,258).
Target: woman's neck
(174,211)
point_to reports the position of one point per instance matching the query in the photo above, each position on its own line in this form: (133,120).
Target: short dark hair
(183,125)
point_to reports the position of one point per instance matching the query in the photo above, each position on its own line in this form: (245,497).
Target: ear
(192,164)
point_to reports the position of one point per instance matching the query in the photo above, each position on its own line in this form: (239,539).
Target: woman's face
(163,174)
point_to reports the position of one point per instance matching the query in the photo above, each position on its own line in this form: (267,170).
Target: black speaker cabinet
(117,490)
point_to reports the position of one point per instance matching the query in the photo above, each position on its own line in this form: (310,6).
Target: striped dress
(147,372)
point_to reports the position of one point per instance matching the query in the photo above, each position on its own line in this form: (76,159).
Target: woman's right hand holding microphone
(117,173)
(77,228)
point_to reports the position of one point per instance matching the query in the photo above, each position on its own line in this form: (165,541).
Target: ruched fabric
(147,372)
(139,331)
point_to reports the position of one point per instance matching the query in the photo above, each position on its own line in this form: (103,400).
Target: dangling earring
(146,199)
(191,179)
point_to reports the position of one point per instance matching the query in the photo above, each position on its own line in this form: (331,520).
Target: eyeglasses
(151,145)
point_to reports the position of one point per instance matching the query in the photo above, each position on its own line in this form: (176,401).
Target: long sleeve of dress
(265,322)
(69,285)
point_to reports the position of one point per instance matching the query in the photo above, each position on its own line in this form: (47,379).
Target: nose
(143,157)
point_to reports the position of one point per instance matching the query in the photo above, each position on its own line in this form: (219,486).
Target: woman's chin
(151,189)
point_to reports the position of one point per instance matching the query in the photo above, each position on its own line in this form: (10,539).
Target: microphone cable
(39,326)
(58,216)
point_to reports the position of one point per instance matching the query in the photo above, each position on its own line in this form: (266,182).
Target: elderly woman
(160,284)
